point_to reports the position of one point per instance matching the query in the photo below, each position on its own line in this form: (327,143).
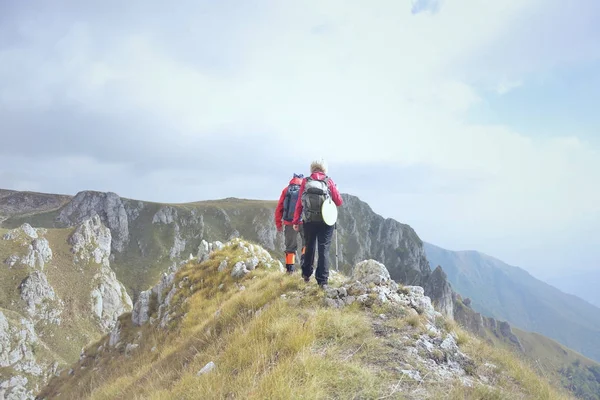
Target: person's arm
(279,211)
(298,210)
(335,194)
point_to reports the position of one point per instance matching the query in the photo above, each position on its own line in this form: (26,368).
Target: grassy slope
(266,345)
(511,294)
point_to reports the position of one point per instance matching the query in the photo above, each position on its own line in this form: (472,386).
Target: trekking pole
(336,249)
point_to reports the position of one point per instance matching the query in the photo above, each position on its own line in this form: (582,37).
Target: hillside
(511,294)
(232,325)
(582,284)
(57,294)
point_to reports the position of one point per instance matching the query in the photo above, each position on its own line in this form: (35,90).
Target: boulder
(370,271)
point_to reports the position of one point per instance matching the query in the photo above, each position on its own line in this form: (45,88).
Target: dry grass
(266,345)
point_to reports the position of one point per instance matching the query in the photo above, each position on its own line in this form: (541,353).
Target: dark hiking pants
(317,235)
(291,240)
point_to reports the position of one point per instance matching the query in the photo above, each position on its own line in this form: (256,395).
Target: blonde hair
(318,165)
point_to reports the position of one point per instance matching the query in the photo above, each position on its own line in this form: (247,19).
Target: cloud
(210,100)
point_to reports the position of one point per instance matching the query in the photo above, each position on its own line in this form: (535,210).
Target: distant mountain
(509,293)
(583,284)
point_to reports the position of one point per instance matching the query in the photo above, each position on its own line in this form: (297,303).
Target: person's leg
(324,235)
(310,240)
(291,245)
(303,244)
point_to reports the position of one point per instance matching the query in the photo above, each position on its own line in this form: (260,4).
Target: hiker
(284,215)
(313,192)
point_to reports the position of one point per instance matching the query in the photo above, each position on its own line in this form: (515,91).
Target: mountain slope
(214,332)
(149,238)
(583,284)
(510,293)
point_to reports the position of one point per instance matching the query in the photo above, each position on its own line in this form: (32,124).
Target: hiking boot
(306,278)
(323,286)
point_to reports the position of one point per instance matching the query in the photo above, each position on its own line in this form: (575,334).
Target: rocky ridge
(434,350)
(421,351)
(164,291)
(108,206)
(362,235)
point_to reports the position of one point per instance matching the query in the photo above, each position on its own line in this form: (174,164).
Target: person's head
(318,166)
(300,176)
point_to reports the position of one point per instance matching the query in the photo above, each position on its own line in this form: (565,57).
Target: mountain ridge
(228,325)
(510,293)
(153,238)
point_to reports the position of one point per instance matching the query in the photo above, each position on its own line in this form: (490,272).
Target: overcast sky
(476,122)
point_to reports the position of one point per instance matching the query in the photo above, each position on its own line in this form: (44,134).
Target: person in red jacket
(312,193)
(284,215)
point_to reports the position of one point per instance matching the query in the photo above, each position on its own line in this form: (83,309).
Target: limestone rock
(140,315)
(412,374)
(440,292)
(42,302)
(115,335)
(207,368)
(16,346)
(108,206)
(12,260)
(38,248)
(109,299)
(39,254)
(166,215)
(370,271)
(25,231)
(178,244)
(130,348)
(203,251)
(239,270)
(91,241)
(15,388)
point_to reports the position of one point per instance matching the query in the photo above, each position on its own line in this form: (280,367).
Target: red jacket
(335,195)
(279,210)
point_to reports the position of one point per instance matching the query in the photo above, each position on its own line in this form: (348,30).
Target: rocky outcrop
(42,302)
(25,231)
(109,299)
(92,241)
(166,215)
(15,388)
(39,252)
(158,298)
(17,340)
(178,244)
(91,244)
(433,349)
(440,292)
(108,206)
(480,325)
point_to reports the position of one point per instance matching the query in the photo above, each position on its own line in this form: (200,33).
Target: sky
(475,122)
